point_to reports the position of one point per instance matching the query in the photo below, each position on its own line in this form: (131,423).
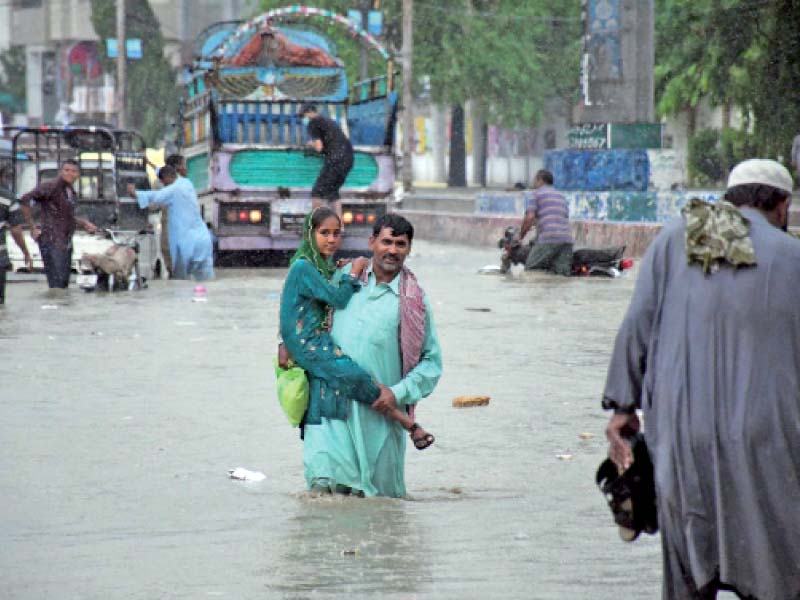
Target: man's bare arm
(19,239)
(528,222)
(86,224)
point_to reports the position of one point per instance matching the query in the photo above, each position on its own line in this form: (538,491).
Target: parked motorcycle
(116,268)
(586,262)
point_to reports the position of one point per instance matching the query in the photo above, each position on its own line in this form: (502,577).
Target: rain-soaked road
(120,416)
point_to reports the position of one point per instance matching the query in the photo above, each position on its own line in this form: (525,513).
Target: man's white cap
(763,171)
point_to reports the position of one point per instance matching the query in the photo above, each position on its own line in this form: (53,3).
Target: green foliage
(735,52)
(12,79)
(712,154)
(152,96)
(704,160)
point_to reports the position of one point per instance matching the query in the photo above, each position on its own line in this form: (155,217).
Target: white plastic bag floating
(245,475)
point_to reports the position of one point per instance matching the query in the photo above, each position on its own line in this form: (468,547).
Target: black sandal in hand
(423,442)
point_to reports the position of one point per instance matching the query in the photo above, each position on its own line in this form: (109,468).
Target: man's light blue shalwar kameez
(189,239)
(366,451)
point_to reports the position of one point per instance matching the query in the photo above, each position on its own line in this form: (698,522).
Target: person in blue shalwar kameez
(190,243)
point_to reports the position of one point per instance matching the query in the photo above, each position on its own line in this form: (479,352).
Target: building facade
(65,79)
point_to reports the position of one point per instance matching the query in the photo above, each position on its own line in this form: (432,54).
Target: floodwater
(120,416)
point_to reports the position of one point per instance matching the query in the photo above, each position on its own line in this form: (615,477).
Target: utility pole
(121,57)
(363,63)
(408,117)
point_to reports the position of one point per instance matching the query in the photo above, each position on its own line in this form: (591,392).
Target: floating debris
(351,552)
(49,307)
(491,270)
(478,309)
(564,456)
(245,475)
(469,401)
(585,435)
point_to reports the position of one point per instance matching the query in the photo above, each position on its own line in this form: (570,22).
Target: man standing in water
(57,199)
(709,350)
(11,220)
(329,139)
(387,328)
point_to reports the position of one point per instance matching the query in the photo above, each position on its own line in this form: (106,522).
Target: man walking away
(329,139)
(11,220)
(709,350)
(548,211)
(57,199)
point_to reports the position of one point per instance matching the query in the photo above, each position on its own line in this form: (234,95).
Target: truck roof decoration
(246,29)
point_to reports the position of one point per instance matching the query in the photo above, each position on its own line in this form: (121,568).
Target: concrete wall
(484,231)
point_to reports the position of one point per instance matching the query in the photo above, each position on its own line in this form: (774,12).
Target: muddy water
(120,416)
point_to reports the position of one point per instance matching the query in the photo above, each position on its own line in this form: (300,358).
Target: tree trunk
(458,149)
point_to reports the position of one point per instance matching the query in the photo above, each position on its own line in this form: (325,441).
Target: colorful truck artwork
(245,143)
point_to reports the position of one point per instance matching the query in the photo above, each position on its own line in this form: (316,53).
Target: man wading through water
(710,350)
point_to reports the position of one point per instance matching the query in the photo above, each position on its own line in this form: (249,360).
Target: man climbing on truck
(328,139)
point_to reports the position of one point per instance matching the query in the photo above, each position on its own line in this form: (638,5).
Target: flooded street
(121,415)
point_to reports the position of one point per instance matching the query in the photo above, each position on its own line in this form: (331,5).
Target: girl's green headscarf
(310,251)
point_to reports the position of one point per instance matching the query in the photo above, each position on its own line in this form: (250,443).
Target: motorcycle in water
(114,269)
(586,262)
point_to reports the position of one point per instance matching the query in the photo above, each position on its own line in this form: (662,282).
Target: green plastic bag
(292,392)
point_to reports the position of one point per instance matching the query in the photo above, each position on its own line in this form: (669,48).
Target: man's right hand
(620,426)
(386,402)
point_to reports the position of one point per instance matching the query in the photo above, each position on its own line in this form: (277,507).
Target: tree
(151,91)
(734,53)
(12,79)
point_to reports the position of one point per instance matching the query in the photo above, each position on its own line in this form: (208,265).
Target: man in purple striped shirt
(547,210)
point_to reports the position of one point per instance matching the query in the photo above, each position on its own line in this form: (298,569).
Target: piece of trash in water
(273,295)
(491,270)
(351,552)
(245,475)
(49,306)
(98,333)
(467,401)
(564,456)
(478,309)
(200,292)
(585,435)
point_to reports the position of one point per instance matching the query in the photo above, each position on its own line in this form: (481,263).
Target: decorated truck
(246,146)
(108,160)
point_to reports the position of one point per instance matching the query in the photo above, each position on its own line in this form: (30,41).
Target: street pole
(121,56)
(408,117)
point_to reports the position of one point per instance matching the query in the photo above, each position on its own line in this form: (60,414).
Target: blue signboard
(133,48)
(603,45)
(355,17)
(375,22)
